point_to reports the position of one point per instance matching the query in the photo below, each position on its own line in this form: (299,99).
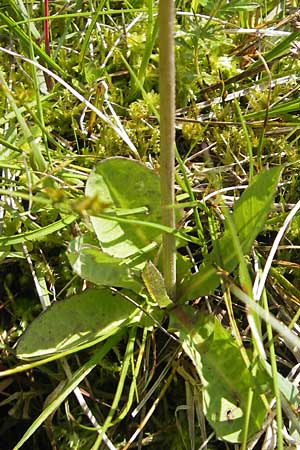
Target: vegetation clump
(97,351)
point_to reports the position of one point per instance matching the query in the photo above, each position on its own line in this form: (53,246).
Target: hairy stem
(167,137)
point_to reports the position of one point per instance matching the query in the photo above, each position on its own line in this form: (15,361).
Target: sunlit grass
(237,114)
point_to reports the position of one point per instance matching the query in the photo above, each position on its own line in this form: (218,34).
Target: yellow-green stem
(167,137)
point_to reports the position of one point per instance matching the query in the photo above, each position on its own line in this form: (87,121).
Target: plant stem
(167,138)
(48,79)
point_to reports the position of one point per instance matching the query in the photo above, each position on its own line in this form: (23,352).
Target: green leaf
(225,378)
(125,184)
(249,215)
(91,264)
(281,47)
(155,285)
(82,319)
(37,234)
(283,108)
(251,210)
(237,6)
(197,3)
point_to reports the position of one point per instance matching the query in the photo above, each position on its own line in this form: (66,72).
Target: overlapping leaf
(92,264)
(125,185)
(226,380)
(249,215)
(86,318)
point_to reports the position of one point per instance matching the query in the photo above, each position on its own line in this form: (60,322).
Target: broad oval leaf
(92,264)
(225,378)
(81,319)
(125,185)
